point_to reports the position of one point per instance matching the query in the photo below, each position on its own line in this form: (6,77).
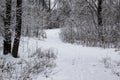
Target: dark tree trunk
(100,22)
(49,5)
(7,31)
(18,29)
(43,2)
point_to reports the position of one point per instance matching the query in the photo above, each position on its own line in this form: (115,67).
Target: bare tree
(7,31)
(49,5)
(18,29)
(100,23)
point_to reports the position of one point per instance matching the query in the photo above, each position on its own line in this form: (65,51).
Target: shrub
(28,69)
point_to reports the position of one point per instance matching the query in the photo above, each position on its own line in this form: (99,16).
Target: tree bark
(100,22)
(49,5)
(7,31)
(18,29)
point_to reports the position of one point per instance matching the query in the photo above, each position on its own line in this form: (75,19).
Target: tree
(18,28)
(49,5)
(7,31)
(100,22)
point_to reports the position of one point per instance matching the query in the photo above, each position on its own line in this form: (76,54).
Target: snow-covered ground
(74,62)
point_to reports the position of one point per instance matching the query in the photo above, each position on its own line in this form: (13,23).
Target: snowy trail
(75,62)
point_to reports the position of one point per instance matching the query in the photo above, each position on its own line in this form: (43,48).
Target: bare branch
(94,8)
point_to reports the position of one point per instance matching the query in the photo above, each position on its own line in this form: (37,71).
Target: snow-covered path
(75,62)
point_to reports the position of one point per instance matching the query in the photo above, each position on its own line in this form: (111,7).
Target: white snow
(74,62)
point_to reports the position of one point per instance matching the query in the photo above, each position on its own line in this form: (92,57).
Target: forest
(59,39)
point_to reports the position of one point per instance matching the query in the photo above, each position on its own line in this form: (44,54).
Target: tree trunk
(49,5)
(100,22)
(7,31)
(18,29)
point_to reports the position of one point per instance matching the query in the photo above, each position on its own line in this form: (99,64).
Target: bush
(39,62)
(114,66)
(90,37)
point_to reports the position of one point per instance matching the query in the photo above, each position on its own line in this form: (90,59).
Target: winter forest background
(38,38)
